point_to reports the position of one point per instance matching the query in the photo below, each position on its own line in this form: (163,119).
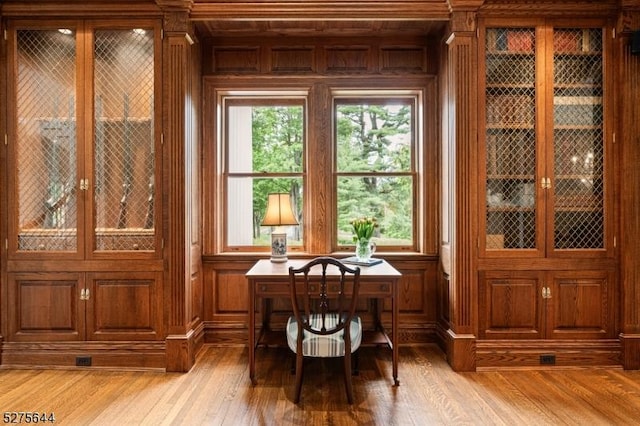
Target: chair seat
(331,345)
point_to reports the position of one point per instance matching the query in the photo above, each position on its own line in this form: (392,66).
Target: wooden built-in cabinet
(546,305)
(62,306)
(84,247)
(546,192)
(546,163)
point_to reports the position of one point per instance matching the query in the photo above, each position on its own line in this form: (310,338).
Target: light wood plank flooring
(217,391)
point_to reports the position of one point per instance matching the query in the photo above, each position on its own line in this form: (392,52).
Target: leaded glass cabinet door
(43,133)
(124,153)
(83,135)
(578,155)
(510,201)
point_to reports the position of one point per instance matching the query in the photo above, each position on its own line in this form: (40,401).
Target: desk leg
(266,315)
(394,331)
(252,332)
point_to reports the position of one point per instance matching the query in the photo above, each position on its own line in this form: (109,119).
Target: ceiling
(227,28)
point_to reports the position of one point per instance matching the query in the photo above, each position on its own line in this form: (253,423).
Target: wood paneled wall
(317,56)
(320,63)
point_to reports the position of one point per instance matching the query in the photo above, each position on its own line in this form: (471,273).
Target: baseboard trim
(183,348)
(459,348)
(630,351)
(103,355)
(527,354)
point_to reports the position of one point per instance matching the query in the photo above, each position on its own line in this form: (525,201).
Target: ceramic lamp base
(278,247)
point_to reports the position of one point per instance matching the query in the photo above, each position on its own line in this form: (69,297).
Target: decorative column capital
(463,21)
(176,22)
(628,21)
(176,14)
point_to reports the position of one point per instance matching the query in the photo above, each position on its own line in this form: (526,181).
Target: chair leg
(293,363)
(299,361)
(347,377)
(356,363)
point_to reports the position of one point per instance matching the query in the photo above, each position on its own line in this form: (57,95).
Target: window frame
(412,97)
(318,210)
(274,97)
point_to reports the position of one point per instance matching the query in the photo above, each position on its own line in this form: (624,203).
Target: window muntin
(375,167)
(264,144)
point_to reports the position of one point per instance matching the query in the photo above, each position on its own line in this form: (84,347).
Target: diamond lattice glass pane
(510,139)
(578,139)
(124,140)
(46,140)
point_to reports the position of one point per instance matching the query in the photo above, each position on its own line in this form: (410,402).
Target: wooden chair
(324,305)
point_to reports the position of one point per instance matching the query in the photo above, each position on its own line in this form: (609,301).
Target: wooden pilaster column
(628,129)
(462,104)
(180,345)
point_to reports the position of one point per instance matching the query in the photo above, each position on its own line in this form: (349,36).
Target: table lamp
(279,214)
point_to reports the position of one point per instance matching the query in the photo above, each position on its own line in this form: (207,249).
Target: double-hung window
(376,165)
(264,136)
(368,164)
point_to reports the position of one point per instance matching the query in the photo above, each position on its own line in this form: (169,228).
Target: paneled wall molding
(322,56)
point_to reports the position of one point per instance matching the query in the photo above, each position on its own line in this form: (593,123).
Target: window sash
(241,181)
(393,224)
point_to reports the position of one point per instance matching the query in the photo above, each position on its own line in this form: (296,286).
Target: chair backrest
(321,289)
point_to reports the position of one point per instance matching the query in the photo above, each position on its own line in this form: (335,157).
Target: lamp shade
(279,210)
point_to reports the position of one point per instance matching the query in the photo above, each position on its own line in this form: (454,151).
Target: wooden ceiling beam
(336,10)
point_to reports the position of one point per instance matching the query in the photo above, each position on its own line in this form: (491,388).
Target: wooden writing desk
(268,280)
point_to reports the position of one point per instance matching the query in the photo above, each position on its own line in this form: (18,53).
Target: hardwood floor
(217,391)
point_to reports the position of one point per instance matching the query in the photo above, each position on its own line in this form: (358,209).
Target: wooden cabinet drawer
(272,288)
(376,289)
(266,288)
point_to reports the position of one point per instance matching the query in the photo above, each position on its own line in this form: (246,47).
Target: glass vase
(365,249)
